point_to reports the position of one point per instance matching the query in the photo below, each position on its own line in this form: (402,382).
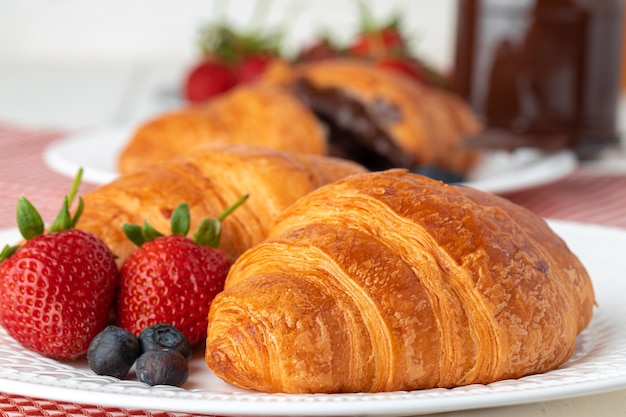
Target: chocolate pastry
(345,108)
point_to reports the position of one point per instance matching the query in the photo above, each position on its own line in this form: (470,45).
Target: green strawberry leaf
(63,220)
(140,235)
(29,221)
(7,251)
(209,233)
(181,219)
(79,211)
(134,233)
(150,233)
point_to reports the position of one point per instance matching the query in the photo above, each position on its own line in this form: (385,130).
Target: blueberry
(164,336)
(112,352)
(162,367)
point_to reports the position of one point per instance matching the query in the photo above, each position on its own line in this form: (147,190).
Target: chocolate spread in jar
(543,67)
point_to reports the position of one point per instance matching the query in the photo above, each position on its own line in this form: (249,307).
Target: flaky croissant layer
(209,181)
(389,281)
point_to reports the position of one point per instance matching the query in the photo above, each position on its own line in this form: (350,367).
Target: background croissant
(209,182)
(345,108)
(258,114)
(404,123)
(389,281)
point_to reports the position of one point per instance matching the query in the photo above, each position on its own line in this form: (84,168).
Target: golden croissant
(209,182)
(344,108)
(254,115)
(390,281)
(383,119)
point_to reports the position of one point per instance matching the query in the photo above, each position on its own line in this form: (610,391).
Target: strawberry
(404,66)
(207,79)
(385,45)
(322,48)
(250,67)
(228,58)
(378,43)
(173,279)
(378,40)
(57,287)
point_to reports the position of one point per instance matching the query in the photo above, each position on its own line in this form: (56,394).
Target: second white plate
(96,151)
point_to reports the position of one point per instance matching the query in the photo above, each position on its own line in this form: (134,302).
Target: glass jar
(543,68)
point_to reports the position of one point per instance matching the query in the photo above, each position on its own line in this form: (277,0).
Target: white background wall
(162,30)
(77,63)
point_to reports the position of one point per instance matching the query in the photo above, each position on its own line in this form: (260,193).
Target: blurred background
(78,63)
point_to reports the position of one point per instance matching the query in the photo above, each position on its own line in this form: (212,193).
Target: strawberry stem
(64,219)
(75,185)
(233,207)
(368,22)
(210,231)
(31,225)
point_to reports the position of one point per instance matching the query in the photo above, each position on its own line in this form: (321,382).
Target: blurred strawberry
(379,43)
(378,40)
(388,47)
(404,66)
(207,79)
(229,57)
(323,48)
(250,67)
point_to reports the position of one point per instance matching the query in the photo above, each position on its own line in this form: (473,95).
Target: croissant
(403,123)
(390,281)
(258,114)
(343,108)
(209,182)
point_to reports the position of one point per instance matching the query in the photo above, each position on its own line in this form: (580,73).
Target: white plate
(598,364)
(95,150)
(499,171)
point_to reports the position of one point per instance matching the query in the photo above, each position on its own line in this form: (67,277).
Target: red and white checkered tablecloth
(584,196)
(23,172)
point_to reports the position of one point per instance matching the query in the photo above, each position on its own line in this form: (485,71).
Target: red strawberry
(404,66)
(57,288)
(376,40)
(251,67)
(324,48)
(173,279)
(388,47)
(207,79)
(228,57)
(416,69)
(379,43)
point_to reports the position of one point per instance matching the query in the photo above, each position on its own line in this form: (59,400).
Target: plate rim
(378,404)
(548,168)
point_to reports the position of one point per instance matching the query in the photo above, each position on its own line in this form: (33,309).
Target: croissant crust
(399,123)
(390,281)
(209,182)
